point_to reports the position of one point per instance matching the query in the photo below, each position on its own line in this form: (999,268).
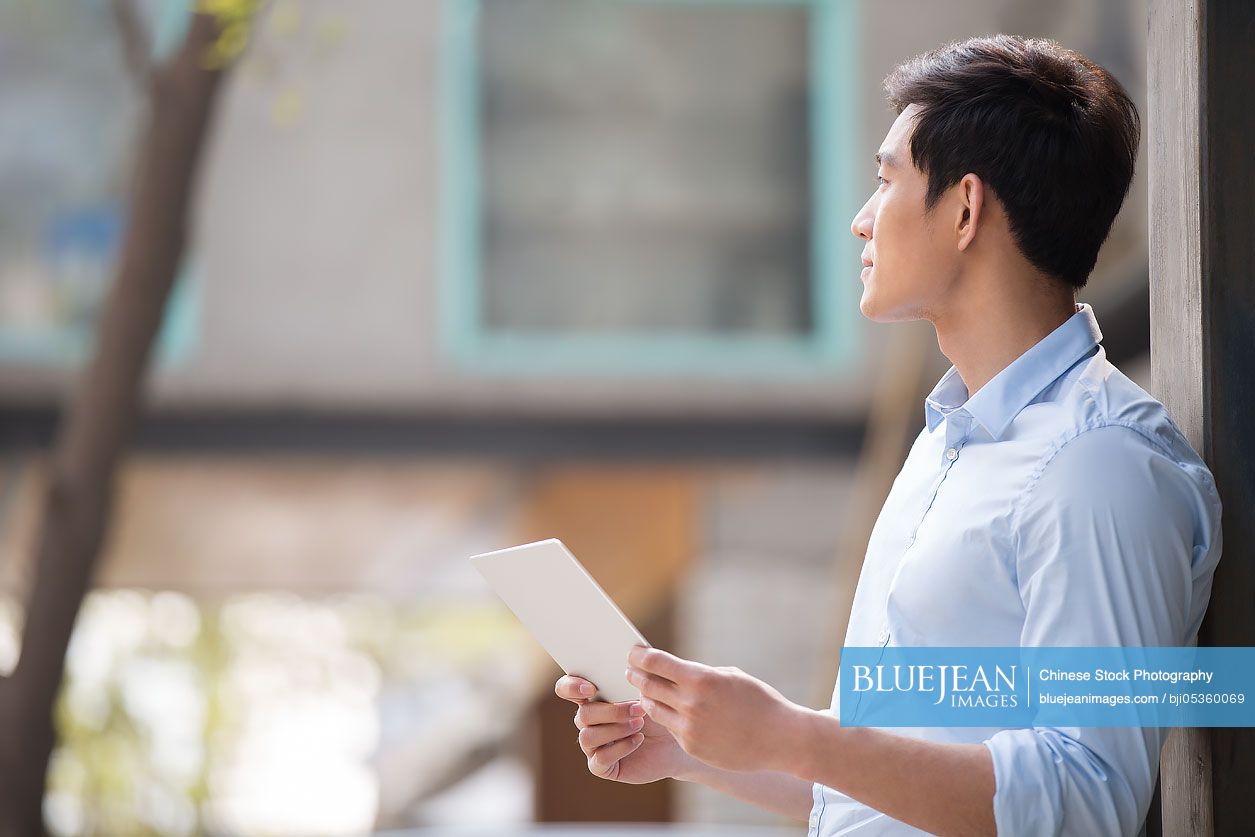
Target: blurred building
(463,273)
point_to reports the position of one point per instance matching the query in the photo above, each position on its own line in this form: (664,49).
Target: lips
(866,261)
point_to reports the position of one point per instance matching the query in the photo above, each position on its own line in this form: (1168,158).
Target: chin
(867,309)
(872,308)
(879,310)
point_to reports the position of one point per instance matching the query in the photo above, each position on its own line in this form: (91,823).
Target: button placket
(958,424)
(957,427)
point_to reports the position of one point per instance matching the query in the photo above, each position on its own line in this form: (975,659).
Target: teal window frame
(831,345)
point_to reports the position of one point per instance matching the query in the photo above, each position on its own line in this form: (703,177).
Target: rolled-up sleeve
(1109,536)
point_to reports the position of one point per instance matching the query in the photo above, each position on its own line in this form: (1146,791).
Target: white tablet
(567,611)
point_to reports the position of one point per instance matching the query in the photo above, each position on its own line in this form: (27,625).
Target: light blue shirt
(1058,506)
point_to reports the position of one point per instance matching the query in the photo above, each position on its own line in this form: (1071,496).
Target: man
(1048,500)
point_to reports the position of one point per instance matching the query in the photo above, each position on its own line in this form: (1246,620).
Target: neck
(983,333)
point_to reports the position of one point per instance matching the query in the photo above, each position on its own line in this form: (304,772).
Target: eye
(880,180)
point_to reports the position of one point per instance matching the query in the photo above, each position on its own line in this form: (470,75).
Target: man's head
(1006,150)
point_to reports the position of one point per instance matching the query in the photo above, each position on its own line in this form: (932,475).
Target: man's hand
(720,716)
(620,742)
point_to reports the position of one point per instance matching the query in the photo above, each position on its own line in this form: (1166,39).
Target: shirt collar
(999,401)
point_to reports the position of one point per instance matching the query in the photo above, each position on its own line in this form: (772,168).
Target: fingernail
(636,710)
(636,723)
(587,689)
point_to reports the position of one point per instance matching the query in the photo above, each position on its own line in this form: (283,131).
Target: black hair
(1052,133)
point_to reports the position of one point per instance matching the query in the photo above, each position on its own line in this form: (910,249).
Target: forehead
(896,144)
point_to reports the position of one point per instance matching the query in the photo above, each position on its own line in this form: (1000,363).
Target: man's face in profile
(912,259)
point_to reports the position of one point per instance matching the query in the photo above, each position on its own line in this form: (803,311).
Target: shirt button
(883,635)
(814,820)
(952,454)
(910,539)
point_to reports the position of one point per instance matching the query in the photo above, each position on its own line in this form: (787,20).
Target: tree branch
(99,419)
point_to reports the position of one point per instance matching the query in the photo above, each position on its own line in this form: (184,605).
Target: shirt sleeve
(1106,538)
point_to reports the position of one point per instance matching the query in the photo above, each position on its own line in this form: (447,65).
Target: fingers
(657,661)
(603,723)
(665,715)
(604,760)
(593,737)
(656,687)
(597,712)
(575,689)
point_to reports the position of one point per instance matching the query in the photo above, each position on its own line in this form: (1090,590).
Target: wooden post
(1202,255)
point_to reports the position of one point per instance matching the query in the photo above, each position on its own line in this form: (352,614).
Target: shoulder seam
(1058,446)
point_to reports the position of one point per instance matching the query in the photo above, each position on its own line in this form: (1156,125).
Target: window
(639,186)
(68,116)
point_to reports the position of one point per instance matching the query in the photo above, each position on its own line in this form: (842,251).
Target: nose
(861,226)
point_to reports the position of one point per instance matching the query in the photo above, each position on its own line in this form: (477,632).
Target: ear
(971,204)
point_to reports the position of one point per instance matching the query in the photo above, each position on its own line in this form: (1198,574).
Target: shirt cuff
(1048,783)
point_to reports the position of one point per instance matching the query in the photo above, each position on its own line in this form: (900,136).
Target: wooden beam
(1202,188)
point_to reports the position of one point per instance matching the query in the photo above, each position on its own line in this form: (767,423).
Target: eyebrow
(885,158)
